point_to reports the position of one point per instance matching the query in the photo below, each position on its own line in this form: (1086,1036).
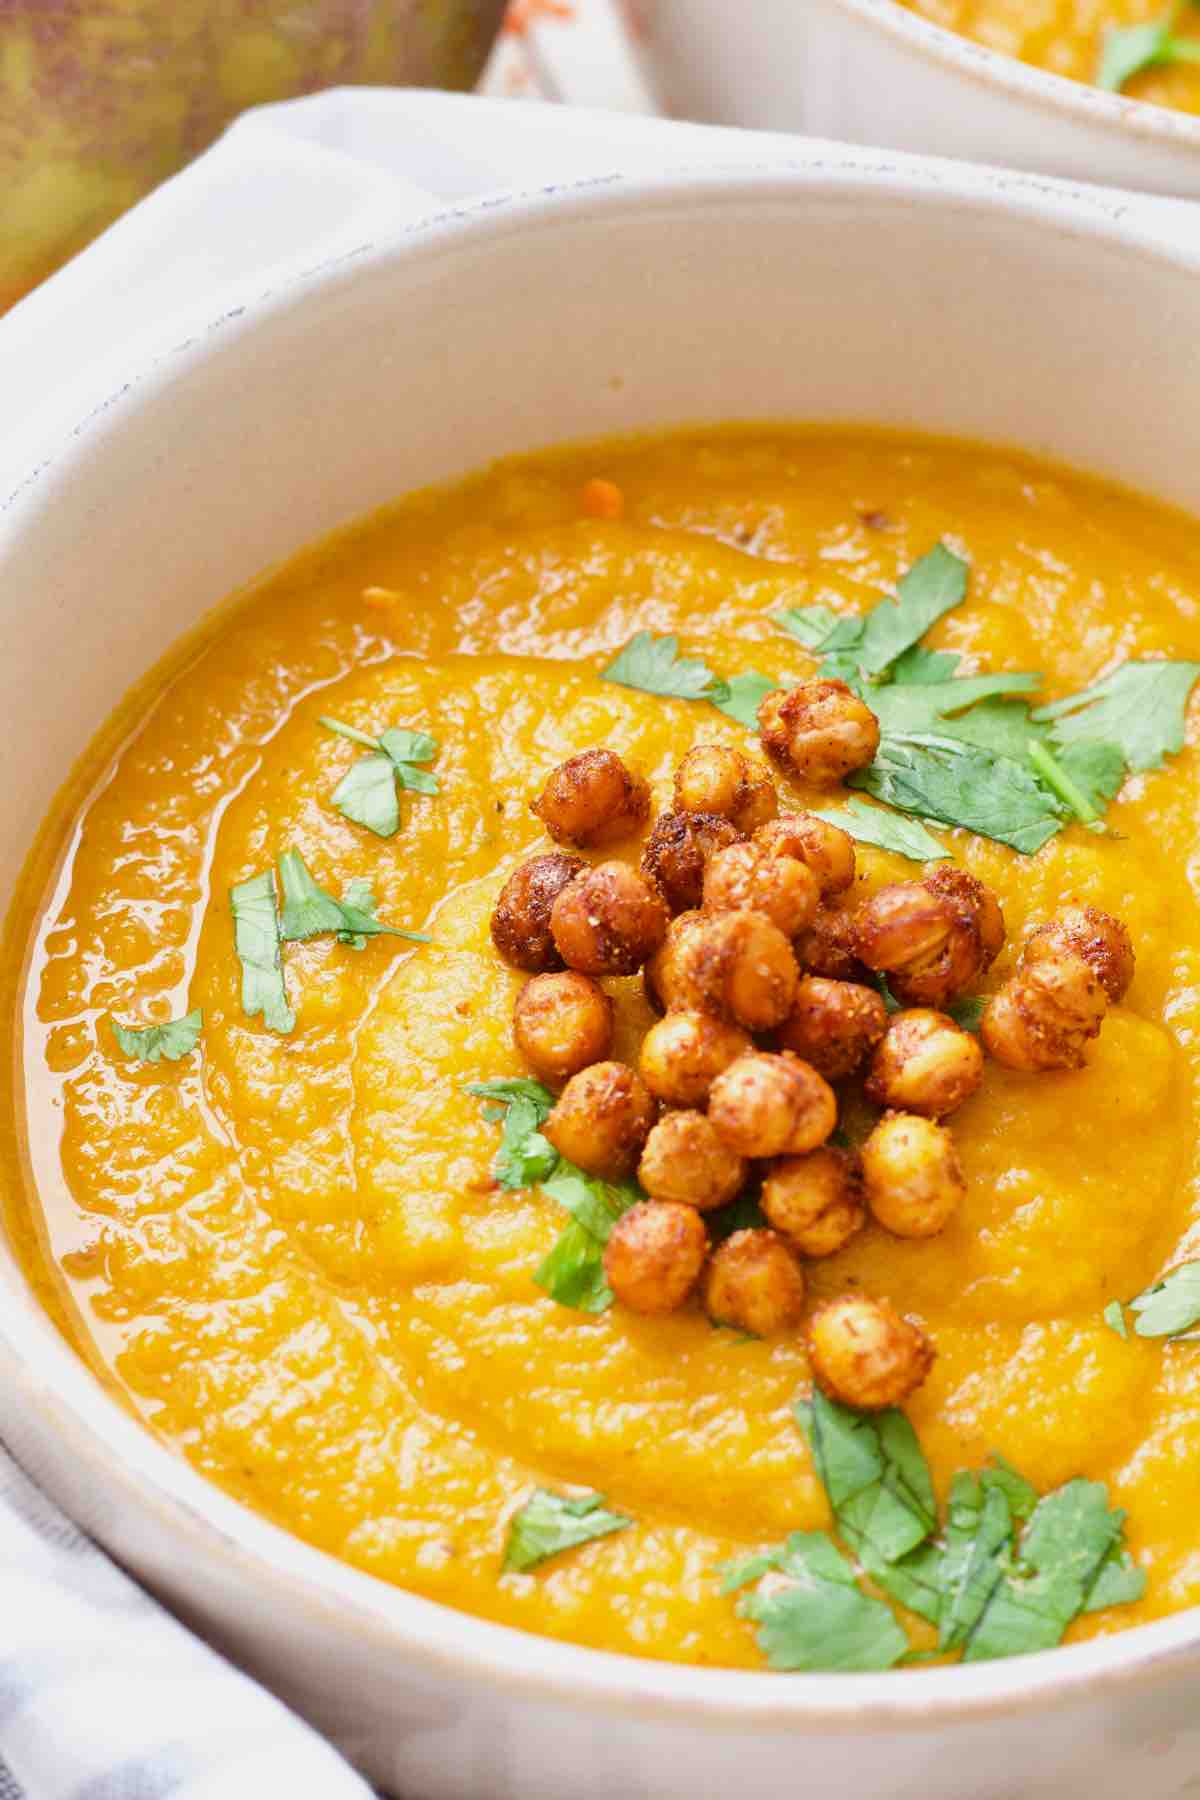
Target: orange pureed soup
(1068,37)
(287,1251)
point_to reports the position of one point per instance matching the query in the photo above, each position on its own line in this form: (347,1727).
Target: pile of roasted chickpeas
(768,991)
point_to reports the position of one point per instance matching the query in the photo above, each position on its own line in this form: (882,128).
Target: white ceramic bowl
(917,297)
(871,72)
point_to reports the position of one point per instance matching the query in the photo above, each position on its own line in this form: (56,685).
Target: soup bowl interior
(832,292)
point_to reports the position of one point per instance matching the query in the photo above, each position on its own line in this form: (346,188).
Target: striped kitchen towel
(104,1696)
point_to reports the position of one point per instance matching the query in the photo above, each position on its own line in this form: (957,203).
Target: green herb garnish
(811,1612)
(257,940)
(866,645)
(885,830)
(1129,49)
(550,1523)
(153,1043)
(958,784)
(1171,1305)
(368,792)
(1114,1317)
(1141,707)
(741,696)
(310,911)
(654,666)
(968,1012)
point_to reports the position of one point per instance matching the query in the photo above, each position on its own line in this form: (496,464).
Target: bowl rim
(49,1392)
(1096,107)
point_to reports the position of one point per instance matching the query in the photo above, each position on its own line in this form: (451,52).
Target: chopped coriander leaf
(811,625)
(925,706)
(1058,780)
(959,784)
(1022,1495)
(525,1157)
(1114,1317)
(654,666)
(573,1272)
(309,910)
(172,1040)
(360,896)
(978,1540)
(1171,1305)
(885,830)
(875,1475)
(1119,1583)
(741,696)
(934,585)
(367,793)
(812,1614)
(550,1523)
(256,939)
(1141,707)
(968,1012)
(924,667)
(742,1214)
(1128,50)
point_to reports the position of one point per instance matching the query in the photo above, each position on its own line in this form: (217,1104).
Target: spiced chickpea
(830,946)
(608,920)
(821,730)
(825,849)
(912,1176)
(736,966)
(677,851)
(1100,939)
(521,920)
(924,1063)
(654,1255)
(683,1054)
(748,878)
(712,778)
(766,1105)
(754,1283)
(865,1355)
(592,799)
(685,1160)
(1045,1015)
(561,1023)
(601,1120)
(834,1025)
(932,938)
(815,1201)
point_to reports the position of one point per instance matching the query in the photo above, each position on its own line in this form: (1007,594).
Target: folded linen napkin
(103,1696)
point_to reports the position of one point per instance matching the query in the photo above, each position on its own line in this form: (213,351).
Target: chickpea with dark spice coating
(829,947)
(1045,1016)
(561,1023)
(765,1105)
(912,1176)
(754,1283)
(592,799)
(821,730)
(815,1201)
(825,849)
(834,1025)
(654,1256)
(677,850)
(713,778)
(747,878)
(1100,939)
(685,1160)
(521,920)
(931,938)
(735,966)
(682,1055)
(608,920)
(924,1063)
(865,1355)
(602,1120)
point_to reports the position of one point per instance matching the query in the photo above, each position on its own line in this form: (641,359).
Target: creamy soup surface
(287,1254)
(1066,37)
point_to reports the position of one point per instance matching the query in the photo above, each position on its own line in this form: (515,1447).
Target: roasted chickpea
(932,938)
(715,779)
(736,966)
(677,850)
(821,729)
(829,947)
(654,1255)
(683,1054)
(608,920)
(834,1025)
(592,799)
(561,1023)
(602,1119)
(815,1200)
(1044,1016)
(765,1105)
(747,878)
(866,1355)
(685,1160)
(925,1063)
(754,1283)
(825,849)
(1100,939)
(913,1178)
(521,921)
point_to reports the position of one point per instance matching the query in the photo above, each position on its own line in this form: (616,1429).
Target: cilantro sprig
(1005,1573)
(170,1042)
(1166,1309)
(368,793)
(257,941)
(1127,50)
(654,666)
(550,1523)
